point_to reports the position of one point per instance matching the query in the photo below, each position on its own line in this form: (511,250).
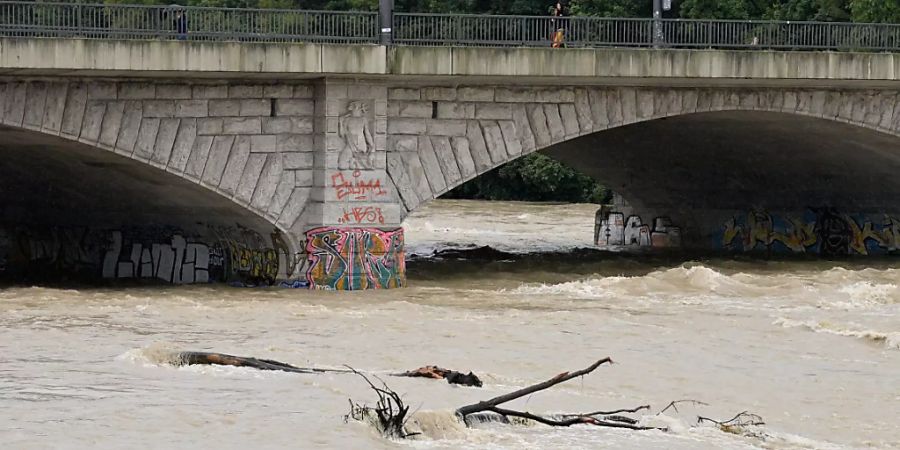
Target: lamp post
(386,16)
(657,24)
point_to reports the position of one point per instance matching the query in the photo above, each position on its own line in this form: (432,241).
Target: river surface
(812,347)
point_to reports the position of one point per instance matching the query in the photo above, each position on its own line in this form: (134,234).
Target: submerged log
(221,359)
(438,373)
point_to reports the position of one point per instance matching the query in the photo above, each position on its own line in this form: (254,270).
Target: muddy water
(812,347)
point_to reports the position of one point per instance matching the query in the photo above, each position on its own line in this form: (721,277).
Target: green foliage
(534,177)
(885,11)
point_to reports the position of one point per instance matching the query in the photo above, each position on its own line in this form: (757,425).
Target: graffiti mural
(613,229)
(355,258)
(221,254)
(823,231)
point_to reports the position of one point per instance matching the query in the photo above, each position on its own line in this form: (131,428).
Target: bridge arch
(586,127)
(163,181)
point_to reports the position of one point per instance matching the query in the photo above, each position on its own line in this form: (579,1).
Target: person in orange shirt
(559,29)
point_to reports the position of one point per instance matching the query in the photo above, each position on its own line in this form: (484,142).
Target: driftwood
(565,420)
(438,373)
(221,359)
(389,415)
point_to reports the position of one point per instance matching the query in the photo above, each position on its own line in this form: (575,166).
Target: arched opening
(76,212)
(746,181)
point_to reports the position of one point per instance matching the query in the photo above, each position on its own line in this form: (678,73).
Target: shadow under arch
(75,211)
(772,177)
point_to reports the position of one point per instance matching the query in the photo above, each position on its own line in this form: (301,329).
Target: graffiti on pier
(614,230)
(357,215)
(823,231)
(177,260)
(220,254)
(357,187)
(355,258)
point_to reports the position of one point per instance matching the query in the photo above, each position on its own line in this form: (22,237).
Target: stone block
(439,127)
(404,94)
(476,94)
(294,207)
(224,108)
(493,111)
(15,106)
(412,109)
(511,137)
(628,97)
(294,143)
(523,128)
(76,100)
(102,90)
(146,139)
(446,110)
(645,103)
(112,122)
(36,98)
(237,159)
(165,140)
(210,126)
(245,91)
(406,171)
(407,126)
(583,111)
(241,125)
(256,107)
(54,106)
(515,95)
(131,125)
(282,193)
(218,158)
(555,96)
(302,125)
(463,157)
(159,108)
(93,119)
(269,178)
(478,147)
(400,143)
(250,178)
(276,125)
(204,92)
(304,91)
(184,142)
(538,121)
(614,113)
(191,108)
(278,91)
(173,91)
(599,109)
(439,94)
(304,178)
(263,143)
(294,107)
(196,162)
(137,91)
(569,119)
(493,139)
(447,160)
(432,167)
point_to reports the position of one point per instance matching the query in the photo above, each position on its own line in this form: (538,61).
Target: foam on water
(890,340)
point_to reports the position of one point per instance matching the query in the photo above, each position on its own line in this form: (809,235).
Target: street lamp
(658,7)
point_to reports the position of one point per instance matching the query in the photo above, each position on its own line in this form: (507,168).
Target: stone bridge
(296,164)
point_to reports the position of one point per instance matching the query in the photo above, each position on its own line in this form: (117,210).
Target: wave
(890,340)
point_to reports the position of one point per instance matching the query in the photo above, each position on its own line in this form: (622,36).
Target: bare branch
(675,402)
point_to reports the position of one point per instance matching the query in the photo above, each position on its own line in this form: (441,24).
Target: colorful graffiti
(355,258)
(357,188)
(612,229)
(823,231)
(233,254)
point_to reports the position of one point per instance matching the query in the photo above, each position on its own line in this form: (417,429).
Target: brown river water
(812,347)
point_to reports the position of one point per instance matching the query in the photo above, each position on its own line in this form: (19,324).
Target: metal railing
(98,21)
(491,30)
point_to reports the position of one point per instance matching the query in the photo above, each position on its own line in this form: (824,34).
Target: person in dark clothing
(181,25)
(559,27)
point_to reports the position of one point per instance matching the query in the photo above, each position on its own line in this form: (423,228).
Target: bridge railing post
(386,21)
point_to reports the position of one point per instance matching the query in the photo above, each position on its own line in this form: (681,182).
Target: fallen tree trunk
(566,420)
(438,373)
(221,359)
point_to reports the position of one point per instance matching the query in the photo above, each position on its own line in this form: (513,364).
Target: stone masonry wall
(440,137)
